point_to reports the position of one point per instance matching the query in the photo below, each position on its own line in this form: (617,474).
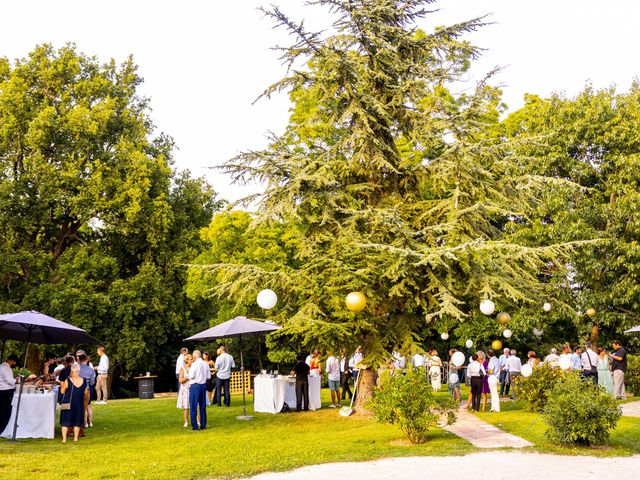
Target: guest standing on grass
(7,389)
(476,372)
(198,375)
(301,371)
(180,363)
(484,361)
(619,367)
(333,374)
(210,386)
(454,387)
(314,363)
(552,359)
(89,375)
(515,367)
(605,379)
(102,382)
(224,364)
(504,372)
(435,373)
(345,375)
(74,395)
(493,370)
(183,391)
(589,360)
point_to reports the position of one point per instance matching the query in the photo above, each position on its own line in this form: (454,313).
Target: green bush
(534,390)
(632,377)
(407,400)
(579,412)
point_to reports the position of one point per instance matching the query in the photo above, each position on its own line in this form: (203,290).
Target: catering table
(37,417)
(270,394)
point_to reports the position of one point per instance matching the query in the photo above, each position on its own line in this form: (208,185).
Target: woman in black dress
(73,390)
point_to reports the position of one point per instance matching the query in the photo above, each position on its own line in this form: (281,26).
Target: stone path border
(631,409)
(483,435)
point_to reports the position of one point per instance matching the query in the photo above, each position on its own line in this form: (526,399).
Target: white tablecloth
(270,394)
(37,418)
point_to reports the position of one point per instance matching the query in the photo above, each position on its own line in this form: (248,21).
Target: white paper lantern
(457,359)
(267,299)
(507,333)
(453,378)
(538,332)
(546,307)
(526,370)
(444,336)
(469,343)
(565,363)
(487,307)
(493,380)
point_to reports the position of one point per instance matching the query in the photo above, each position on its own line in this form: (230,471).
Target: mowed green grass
(624,440)
(145,439)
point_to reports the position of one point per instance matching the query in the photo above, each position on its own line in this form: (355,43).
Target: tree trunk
(366,384)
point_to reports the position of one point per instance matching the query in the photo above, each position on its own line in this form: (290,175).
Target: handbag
(594,370)
(67,405)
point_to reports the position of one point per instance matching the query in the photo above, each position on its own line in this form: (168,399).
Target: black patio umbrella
(35,327)
(237,327)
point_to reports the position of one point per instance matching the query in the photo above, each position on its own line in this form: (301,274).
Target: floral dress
(183,392)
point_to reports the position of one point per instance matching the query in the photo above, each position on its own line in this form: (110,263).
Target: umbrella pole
(244,415)
(21,377)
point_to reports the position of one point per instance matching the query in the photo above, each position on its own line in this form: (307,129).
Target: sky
(205,61)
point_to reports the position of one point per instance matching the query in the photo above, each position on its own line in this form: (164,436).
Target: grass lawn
(145,439)
(625,439)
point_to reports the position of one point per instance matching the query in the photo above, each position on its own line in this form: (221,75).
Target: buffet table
(37,417)
(270,394)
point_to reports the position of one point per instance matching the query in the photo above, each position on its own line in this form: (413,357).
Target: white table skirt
(270,394)
(37,418)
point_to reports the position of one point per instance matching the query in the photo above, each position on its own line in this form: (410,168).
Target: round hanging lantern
(496,345)
(453,378)
(469,343)
(457,359)
(267,299)
(591,312)
(356,301)
(526,370)
(444,336)
(507,333)
(503,318)
(546,307)
(487,307)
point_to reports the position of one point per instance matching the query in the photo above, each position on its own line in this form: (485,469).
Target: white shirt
(344,365)
(589,354)
(494,366)
(103,366)
(399,360)
(418,360)
(474,368)
(224,364)
(179,363)
(199,372)
(503,362)
(514,364)
(551,360)
(7,380)
(355,360)
(333,369)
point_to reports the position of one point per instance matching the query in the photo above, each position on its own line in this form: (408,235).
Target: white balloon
(444,336)
(507,333)
(487,307)
(526,370)
(457,359)
(565,363)
(469,343)
(493,380)
(538,332)
(546,307)
(453,378)
(267,299)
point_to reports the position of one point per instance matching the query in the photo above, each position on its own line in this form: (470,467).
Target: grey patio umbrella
(35,327)
(633,329)
(237,327)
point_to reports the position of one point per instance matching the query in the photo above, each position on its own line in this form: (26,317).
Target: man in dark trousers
(345,375)
(7,389)
(301,371)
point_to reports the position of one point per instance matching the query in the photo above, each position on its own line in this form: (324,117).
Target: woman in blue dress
(73,390)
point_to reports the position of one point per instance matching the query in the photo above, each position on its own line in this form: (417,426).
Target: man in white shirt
(333,372)
(552,359)
(504,370)
(494,370)
(590,363)
(515,367)
(7,389)
(224,364)
(180,365)
(103,376)
(353,365)
(418,360)
(198,375)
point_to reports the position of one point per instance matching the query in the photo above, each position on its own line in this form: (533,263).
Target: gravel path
(495,465)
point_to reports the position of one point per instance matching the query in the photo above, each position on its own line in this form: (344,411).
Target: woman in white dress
(605,378)
(183,392)
(434,370)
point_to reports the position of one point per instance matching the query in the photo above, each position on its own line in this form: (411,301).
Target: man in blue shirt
(224,364)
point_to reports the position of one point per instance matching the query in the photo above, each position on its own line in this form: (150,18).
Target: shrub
(407,400)
(579,412)
(632,377)
(534,390)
